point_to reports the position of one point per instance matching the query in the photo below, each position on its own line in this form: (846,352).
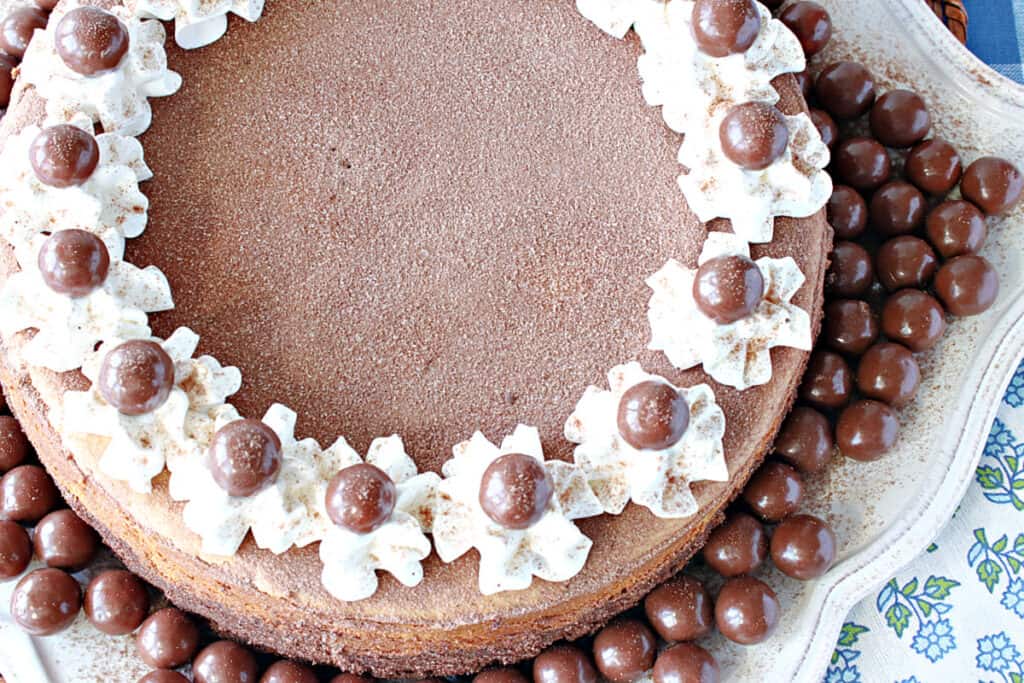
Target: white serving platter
(885,513)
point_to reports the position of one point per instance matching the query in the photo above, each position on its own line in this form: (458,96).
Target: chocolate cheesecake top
(414,222)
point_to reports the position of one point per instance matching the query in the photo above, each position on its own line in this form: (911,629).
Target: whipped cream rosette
(197,22)
(108,202)
(736,353)
(651,464)
(117,98)
(399,544)
(544,542)
(287,512)
(68,328)
(794,184)
(135,447)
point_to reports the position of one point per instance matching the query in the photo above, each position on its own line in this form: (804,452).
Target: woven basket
(953,15)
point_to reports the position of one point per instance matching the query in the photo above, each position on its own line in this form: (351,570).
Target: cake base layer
(425,236)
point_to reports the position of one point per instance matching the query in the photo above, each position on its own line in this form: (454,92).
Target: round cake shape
(425,236)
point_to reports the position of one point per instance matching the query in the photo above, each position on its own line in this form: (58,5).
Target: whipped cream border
(290,512)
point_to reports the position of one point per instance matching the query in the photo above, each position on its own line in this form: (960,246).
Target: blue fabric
(996,34)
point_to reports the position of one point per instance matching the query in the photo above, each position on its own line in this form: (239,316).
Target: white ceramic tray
(886,512)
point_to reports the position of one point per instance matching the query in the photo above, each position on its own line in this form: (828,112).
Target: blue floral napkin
(957,612)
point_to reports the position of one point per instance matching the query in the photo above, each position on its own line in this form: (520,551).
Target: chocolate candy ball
(136,377)
(14,446)
(352,678)
(6,81)
(934,166)
(503,674)
(289,672)
(74,262)
(624,650)
(967,285)
(956,227)
(515,491)
(993,184)
(805,440)
(17,28)
(888,372)
(803,547)
(850,326)
(15,550)
(804,82)
(163,676)
(774,492)
(747,610)
(686,663)
(896,208)
(905,261)
(753,135)
(245,457)
(26,494)
(116,602)
(46,601)
(64,541)
(167,639)
(652,416)
(64,156)
(850,272)
(900,118)
(914,319)
(737,547)
(224,661)
(564,664)
(728,288)
(811,24)
(725,27)
(845,90)
(680,609)
(862,163)
(361,498)
(828,380)
(866,430)
(91,41)
(847,212)
(827,128)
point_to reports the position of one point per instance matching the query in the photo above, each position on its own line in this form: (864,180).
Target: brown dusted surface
(555,224)
(454,228)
